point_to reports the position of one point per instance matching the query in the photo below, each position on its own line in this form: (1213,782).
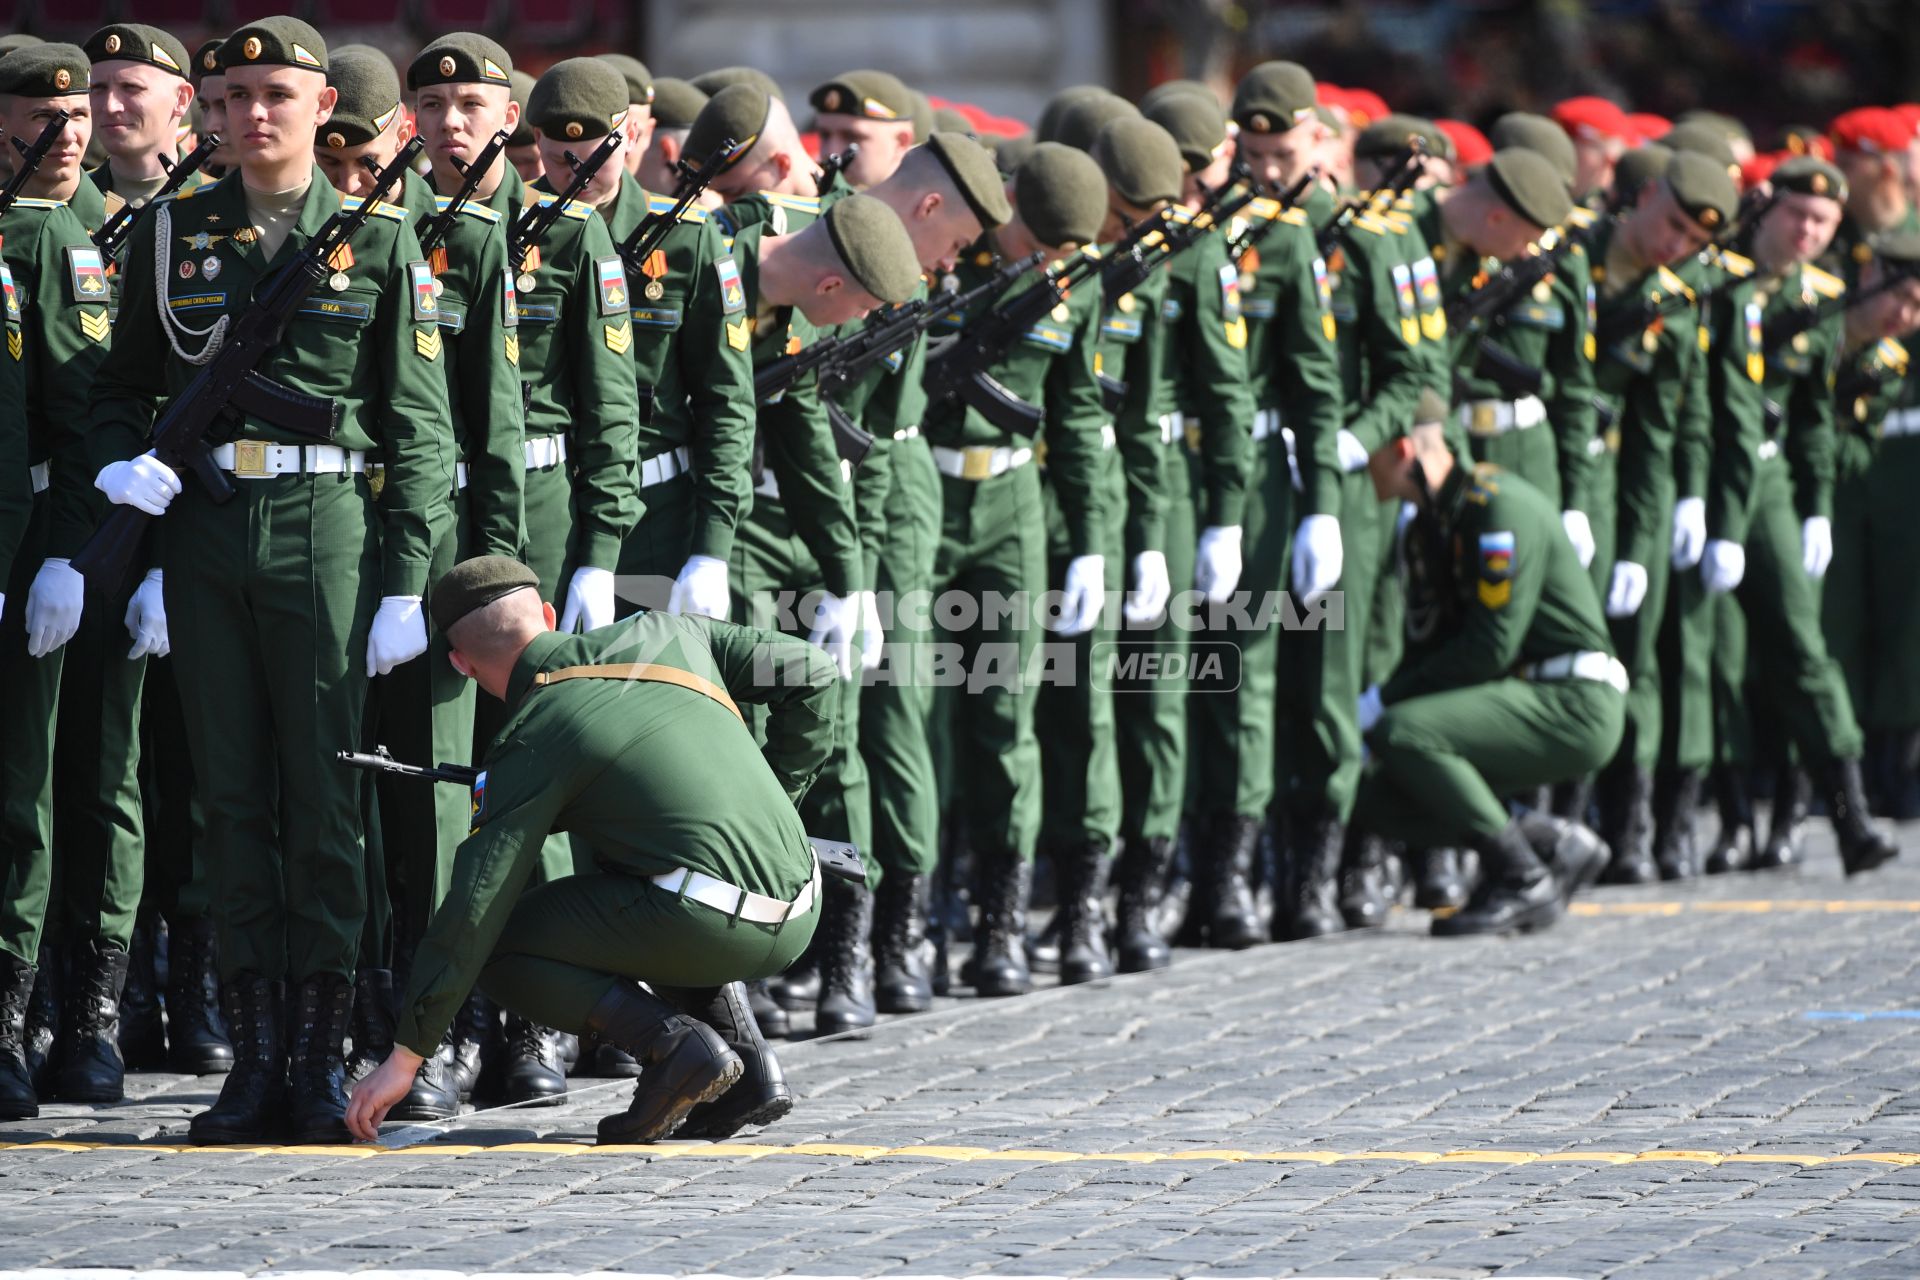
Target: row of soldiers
(1477,489)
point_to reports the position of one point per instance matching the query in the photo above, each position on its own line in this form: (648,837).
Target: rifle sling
(650,671)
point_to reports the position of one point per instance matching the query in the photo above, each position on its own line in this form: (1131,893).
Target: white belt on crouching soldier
(1602,668)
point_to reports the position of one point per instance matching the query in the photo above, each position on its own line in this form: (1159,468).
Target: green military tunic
(270,596)
(1481,707)
(649,778)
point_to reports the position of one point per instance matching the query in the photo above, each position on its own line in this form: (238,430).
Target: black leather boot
(902,951)
(143,1032)
(1903,775)
(1676,806)
(1233,842)
(1574,799)
(1141,869)
(762,1095)
(599,1061)
(319,1015)
(1364,900)
(684,1062)
(530,1068)
(197,1041)
(43,1016)
(435,1094)
(1626,818)
(253,1098)
(375,1013)
(18,1101)
(1517,892)
(767,1012)
(846,959)
(998,966)
(91,1069)
(1083,913)
(1310,907)
(1792,794)
(1733,851)
(1438,880)
(1862,846)
(1572,851)
(476,1037)
(799,987)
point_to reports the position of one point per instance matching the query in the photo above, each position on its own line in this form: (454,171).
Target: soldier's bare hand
(375,1095)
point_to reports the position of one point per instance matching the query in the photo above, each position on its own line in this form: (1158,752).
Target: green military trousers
(1150,710)
(1637,640)
(653,554)
(1441,762)
(269,600)
(1870,606)
(26,757)
(1686,673)
(896,710)
(178,884)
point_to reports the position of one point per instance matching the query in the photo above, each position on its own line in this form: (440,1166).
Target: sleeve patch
(620,338)
(1403,289)
(739,334)
(1230,295)
(12,294)
(733,296)
(510,302)
(1496,556)
(512,347)
(612,277)
(477,809)
(96,325)
(426,303)
(87,273)
(427,345)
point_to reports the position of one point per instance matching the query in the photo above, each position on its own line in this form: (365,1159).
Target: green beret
(1430,409)
(475,584)
(1537,134)
(1061,195)
(1167,88)
(1081,120)
(971,168)
(871,95)
(465,57)
(1810,176)
(520,89)
(1900,249)
(947,120)
(1141,160)
(1274,97)
(1643,164)
(1698,135)
(18,40)
(578,98)
(1049,120)
(1010,153)
(634,72)
(275,42)
(739,112)
(922,116)
(676,103)
(137,42)
(1389,135)
(1703,189)
(1725,125)
(1529,185)
(45,71)
(1198,126)
(712,82)
(206,61)
(369,90)
(873,242)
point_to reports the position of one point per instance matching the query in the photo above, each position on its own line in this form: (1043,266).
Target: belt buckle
(1483,419)
(250,459)
(1612,438)
(976,462)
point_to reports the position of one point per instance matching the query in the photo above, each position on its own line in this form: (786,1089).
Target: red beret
(1761,167)
(1470,146)
(1364,106)
(1592,118)
(1875,130)
(1648,127)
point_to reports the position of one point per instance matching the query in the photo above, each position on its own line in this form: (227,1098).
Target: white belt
(1591,665)
(908,433)
(1109,438)
(259,460)
(1769,449)
(979,462)
(460,475)
(733,901)
(662,467)
(42,473)
(1497,417)
(1266,422)
(768,486)
(545,451)
(1173,426)
(1901,422)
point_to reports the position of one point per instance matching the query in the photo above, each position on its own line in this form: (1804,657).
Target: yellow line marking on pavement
(1756,906)
(931,1151)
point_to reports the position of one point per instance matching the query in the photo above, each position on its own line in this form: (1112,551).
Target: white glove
(1816,545)
(835,620)
(1318,557)
(144,482)
(1580,534)
(147,618)
(1084,595)
(1216,569)
(3,604)
(398,634)
(1689,532)
(1152,588)
(1723,565)
(1353,454)
(1400,522)
(54,603)
(1370,708)
(589,600)
(1628,589)
(873,636)
(701,588)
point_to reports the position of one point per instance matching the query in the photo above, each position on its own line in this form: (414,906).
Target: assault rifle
(1407,167)
(117,230)
(535,220)
(30,157)
(1252,237)
(639,246)
(440,226)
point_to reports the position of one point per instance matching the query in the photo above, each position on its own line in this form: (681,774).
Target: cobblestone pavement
(1707,1080)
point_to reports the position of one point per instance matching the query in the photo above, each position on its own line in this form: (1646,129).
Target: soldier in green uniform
(639,129)
(523,149)
(55,289)
(772,179)
(868,114)
(630,737)
(210,97)
(1509,682)
(1870,149)
(286,600)
(141,94)
(676,105)
(18,1100)
(1871,601)
(1769,521)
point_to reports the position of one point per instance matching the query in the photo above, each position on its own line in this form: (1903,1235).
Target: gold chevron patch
(427,345)
(739,335)
(96,327)
(14,345)
(620,337)
(513,350)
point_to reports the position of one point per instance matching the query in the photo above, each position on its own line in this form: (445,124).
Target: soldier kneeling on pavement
(630,739)
(1509,682)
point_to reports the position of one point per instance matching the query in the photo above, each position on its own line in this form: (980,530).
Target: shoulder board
(1582,217)
(1264,208)
(391,212)
(1824,283)
(1295,216)
(1180,215)
(30,202)
(479,209)
(799,204)
(577,211)
(664,204)
(1892,354)
(1371,225)
(1735,264)
(1675,285)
